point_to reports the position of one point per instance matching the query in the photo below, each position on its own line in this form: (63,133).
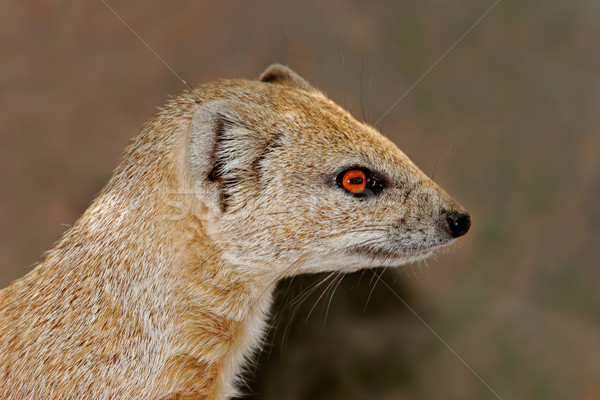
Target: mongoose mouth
(379,253)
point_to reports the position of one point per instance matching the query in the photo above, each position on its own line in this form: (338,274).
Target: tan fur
(162,288)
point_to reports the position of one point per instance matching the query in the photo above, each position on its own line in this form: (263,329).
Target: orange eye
(354,181)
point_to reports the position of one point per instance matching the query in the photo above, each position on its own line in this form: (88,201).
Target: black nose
(458,223)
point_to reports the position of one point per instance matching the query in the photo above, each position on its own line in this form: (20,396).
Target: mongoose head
(289,182)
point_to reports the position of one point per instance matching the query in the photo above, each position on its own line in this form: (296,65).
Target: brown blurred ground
(508,119)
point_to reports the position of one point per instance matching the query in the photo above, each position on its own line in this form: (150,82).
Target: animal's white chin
(390,257)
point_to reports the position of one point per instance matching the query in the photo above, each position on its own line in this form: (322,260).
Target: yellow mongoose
(162,288)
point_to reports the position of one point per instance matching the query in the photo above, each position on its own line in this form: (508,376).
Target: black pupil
(356,181)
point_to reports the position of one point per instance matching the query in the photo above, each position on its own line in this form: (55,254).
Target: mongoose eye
(354,181)
(359,182)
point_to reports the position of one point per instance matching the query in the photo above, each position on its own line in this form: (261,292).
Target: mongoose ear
(282,75)
(222,145)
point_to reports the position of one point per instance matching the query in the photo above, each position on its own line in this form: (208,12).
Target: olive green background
(506,119)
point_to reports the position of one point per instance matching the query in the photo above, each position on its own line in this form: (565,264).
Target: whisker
(268,287)
(320,297)
(441,157)
(372,289)
(307,293)
(339,278)
(294,306)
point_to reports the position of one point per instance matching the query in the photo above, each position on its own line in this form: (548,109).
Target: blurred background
(507,121)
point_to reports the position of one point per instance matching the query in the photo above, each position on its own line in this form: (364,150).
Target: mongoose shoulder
(162,288)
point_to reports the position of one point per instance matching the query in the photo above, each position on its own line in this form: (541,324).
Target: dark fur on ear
(222,149)
(282,75)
